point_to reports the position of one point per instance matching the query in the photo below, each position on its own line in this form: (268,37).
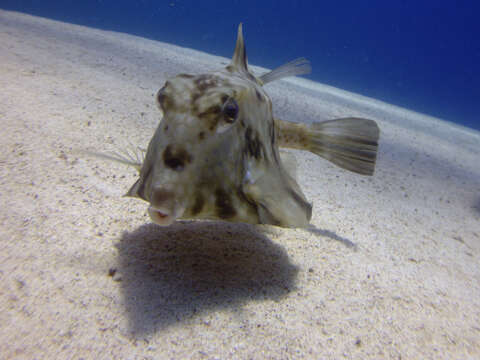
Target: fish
(216,155)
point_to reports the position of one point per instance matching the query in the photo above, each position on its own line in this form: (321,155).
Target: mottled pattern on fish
(215,154)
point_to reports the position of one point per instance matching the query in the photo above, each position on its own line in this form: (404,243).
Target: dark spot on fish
(185,76)
(163,99)
(223,204)
(176,158)
(259,96)
(254,146)
(211,116)
(198,204)
(201,135)
(215,110)
(212,110)
(205,82)
(224,98)
(195,97)
(165,128)
(230,68)
(212,123)
(242,122)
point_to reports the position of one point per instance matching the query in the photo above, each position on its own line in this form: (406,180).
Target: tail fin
(350,143)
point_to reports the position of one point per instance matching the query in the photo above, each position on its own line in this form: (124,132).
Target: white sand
(393,271)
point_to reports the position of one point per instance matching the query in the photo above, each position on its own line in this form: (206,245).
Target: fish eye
(230,110)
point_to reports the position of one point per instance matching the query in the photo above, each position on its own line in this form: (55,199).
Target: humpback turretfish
(215,154)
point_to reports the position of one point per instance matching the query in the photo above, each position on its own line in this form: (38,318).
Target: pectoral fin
(295,67)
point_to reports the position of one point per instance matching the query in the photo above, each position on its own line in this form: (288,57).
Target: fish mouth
(163,216)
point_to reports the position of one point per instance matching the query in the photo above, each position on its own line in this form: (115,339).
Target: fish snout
(164,206)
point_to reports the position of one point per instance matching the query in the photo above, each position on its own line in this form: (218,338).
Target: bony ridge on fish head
(214,154)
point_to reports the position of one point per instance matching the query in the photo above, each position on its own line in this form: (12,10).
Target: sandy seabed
(392,272)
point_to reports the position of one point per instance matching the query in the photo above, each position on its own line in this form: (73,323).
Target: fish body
(215,154)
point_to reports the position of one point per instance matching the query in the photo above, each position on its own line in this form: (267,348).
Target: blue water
(422,55)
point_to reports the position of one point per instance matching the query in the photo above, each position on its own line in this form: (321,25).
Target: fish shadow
(170,275)
(332,235)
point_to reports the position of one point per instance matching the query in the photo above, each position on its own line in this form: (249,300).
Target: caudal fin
(350,143)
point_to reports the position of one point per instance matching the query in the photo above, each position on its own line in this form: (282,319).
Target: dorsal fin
(239,60)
